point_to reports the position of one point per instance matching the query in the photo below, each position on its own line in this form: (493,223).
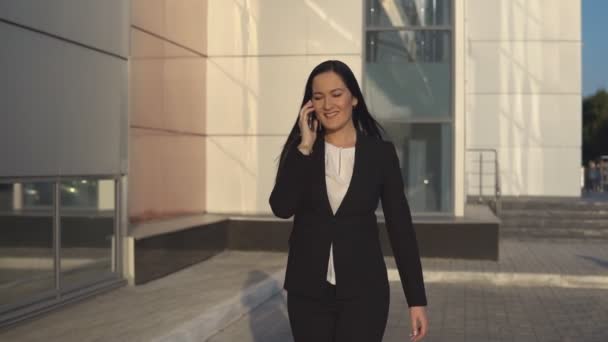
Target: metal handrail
(496,198)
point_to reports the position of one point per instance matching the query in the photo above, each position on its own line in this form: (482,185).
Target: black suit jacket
(300,190)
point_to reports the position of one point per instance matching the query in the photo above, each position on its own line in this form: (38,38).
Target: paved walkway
(481,308)
(463,312)
(466,302)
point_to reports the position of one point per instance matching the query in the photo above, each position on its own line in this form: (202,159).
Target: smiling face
(332,100)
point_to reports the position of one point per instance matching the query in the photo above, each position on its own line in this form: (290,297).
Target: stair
(554,218)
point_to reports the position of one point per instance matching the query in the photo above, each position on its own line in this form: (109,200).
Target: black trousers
(328,319)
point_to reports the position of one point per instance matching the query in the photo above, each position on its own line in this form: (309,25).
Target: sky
(595,45)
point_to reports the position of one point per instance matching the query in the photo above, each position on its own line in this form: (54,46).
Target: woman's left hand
(420,324)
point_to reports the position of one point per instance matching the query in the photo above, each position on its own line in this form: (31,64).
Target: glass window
(408,74)
(407,85)
(87,248)
(27,264)
(425,154)
(87,236)
(400,13)
(6,196)
(38,194)
(82,193)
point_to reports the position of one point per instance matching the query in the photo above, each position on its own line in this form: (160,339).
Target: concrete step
(530,203)
(584,218)
(556,233)
(600,214)
(555,223)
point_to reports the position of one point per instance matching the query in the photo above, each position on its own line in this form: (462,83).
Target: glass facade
(74,193)
(425,165)
(408,73)
(27,266)
(408,87)
(49,250)
(399,13)
(87,235)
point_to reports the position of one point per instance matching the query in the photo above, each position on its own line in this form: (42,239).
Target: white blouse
(339,163)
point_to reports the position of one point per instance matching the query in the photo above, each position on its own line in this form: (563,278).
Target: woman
(333,170)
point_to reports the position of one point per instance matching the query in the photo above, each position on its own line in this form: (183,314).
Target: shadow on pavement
(600,262)
(268,320)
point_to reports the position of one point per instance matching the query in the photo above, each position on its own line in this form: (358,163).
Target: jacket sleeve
(400,228)
(292,179)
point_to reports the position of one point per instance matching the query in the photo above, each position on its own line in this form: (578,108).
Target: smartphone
(311,117)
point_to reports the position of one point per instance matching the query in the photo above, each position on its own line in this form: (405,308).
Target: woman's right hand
(308,135)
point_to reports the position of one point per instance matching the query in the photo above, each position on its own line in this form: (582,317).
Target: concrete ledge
(474,236)
(166,246)
(162,247)
(165,226)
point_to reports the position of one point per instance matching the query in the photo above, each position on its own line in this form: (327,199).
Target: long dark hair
(362,118)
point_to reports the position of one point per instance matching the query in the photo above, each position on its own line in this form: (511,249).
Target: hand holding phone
(312,117)
(309,125)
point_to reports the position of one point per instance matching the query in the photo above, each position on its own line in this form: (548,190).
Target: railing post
(480,177)
(57,236)
(497,193)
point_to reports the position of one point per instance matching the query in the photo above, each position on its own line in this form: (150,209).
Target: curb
(511,279)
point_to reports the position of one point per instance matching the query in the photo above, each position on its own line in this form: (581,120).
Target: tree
(595,125)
